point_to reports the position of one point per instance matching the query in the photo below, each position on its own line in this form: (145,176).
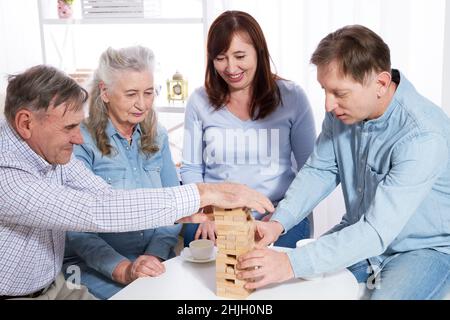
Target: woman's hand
(206,230)
(144,266)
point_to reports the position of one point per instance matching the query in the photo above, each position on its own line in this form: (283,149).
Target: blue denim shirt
(127,168)
(395,177)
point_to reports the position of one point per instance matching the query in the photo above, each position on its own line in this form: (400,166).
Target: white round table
(184,280)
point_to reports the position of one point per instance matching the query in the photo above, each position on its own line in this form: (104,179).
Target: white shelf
(123,21)
(170,109)
(46,20)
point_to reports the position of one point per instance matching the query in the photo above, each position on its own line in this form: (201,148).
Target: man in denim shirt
(389,148)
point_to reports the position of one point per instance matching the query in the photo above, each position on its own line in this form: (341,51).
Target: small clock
(177,88)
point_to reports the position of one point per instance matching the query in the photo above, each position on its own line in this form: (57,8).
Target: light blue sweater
(262,154)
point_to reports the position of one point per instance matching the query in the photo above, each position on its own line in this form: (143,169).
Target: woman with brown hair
(245,124)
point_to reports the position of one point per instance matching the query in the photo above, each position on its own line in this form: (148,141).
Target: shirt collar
(399,91)
(111,130)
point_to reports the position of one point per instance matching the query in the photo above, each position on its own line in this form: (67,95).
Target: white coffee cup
(201,249)
(301,243)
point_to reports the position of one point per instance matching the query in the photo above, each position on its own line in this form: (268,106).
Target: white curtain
(413,29)
(20,45)
(446,63)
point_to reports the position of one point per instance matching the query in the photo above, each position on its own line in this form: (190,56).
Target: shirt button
(134,169)
(142,234)
(359,190)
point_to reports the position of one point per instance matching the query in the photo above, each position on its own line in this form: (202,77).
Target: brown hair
(265,94)
(39,87)
(357,50)
(112,62)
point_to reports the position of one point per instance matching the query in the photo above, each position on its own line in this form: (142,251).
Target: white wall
(20,45)
(446,68)
(2,104)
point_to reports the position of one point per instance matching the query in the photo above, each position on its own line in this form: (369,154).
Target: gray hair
(39,87)
(112,62)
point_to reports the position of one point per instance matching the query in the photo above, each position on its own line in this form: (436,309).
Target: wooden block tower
(235,236)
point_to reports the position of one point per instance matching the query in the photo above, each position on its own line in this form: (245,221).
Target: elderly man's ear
(24,122)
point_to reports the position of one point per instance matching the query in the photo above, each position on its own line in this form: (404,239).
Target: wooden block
(221,267)
(226,283)
(231,223)
(229,269)
(232,212)
(241,251)
(238,290)
(237,293)
(242,238)
(221,237)
(243,246)
(222,277)
(230,245)
(248,243)
(244,229)
(235,233)
(239,218)
(236,252)
(231,237)
(221,291)
(227,230)
(223,258)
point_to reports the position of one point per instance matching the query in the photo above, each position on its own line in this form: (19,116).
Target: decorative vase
(64,10)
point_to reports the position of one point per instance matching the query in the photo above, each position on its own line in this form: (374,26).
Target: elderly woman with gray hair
(123,144)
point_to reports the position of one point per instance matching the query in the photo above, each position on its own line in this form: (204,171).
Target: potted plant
(65,9)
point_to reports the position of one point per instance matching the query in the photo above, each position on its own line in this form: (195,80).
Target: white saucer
(186,255)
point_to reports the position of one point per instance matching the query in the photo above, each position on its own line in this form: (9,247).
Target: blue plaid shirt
(40,201)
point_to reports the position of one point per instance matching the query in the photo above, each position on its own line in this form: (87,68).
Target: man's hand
(194,218)
(263,267)
(267,232)
(233,195)
(144,266)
